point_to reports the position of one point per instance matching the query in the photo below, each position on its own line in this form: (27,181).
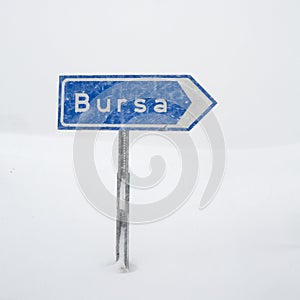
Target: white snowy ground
(54,245)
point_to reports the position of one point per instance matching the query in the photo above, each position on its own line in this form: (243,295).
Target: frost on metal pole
(122,230)
(130,102)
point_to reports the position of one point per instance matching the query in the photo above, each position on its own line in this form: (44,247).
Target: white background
(245,245)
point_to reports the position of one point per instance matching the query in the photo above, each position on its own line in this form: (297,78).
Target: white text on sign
(82,104)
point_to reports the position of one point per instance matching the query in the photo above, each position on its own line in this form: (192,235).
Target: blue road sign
(131,102)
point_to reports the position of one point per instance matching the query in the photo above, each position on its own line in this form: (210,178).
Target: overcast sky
(244,53)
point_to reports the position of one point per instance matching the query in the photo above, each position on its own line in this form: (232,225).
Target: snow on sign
(131,102)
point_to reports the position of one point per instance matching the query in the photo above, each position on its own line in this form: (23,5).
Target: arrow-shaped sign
(131,102)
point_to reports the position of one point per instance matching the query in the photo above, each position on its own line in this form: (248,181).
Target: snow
(245,245)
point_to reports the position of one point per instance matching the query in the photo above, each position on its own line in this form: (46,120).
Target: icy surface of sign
(147,102)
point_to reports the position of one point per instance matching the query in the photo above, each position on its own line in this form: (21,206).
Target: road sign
(131,102)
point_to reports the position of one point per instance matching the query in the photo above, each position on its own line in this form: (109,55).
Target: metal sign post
(130,102)
(122,222)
